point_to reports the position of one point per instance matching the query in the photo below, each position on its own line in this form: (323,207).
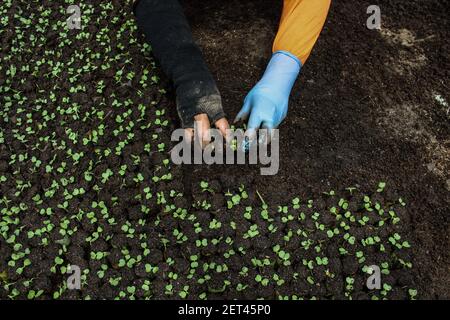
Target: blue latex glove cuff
(267,103)
(280,76)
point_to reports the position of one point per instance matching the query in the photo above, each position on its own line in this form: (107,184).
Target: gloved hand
(267,102)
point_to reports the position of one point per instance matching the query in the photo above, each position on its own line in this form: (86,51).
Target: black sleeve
(167,30)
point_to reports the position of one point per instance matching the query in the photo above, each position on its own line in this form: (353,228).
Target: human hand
(266,105)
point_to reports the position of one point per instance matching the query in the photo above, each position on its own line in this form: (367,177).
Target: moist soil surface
(363,110)
(86,178)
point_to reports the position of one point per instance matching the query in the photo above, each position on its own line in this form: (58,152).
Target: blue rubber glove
(267,103)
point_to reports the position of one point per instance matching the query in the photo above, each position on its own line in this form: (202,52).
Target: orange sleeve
(300,26)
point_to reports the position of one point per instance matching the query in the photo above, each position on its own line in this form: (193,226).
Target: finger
(201,130)
(255,121)
(267,132)
(250,137)
(244,113)
(224,128)
(189,134)
(251,134)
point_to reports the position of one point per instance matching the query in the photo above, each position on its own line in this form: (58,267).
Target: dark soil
(363,111)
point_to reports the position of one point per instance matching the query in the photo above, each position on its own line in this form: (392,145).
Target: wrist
(286,55)
(282,71)
(198,97)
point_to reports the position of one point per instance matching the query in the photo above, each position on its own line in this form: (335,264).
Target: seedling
(205,187)
(87,142)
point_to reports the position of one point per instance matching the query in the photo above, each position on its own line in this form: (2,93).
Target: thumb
(244,113)
(267,132)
